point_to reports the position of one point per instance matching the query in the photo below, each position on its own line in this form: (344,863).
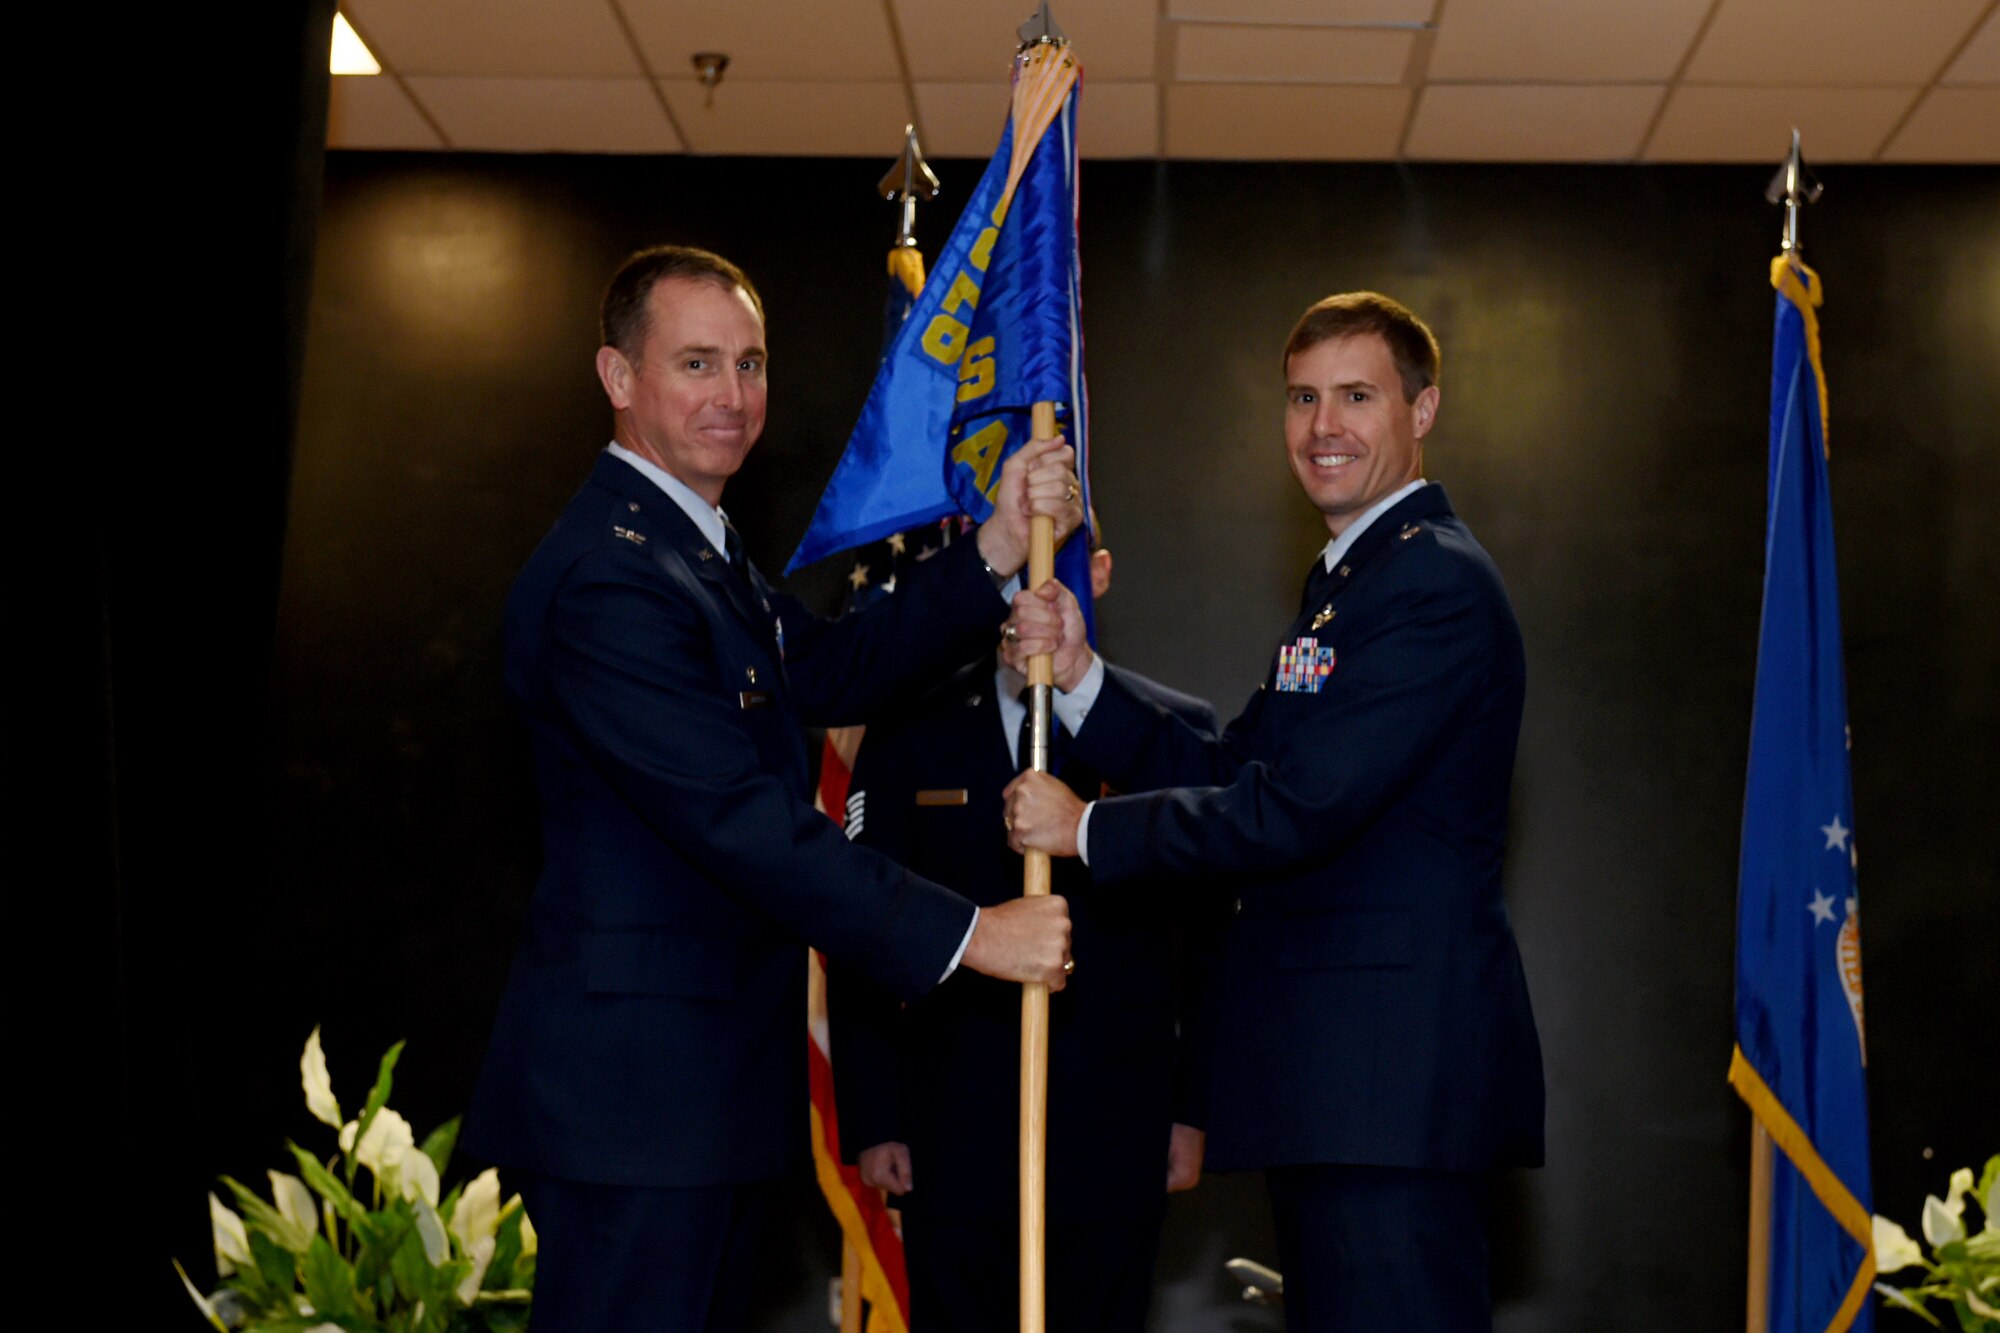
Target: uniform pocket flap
(1347,937)
(658,962)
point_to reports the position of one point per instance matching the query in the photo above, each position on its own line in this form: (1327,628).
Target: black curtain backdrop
(1606,335)
(181,209)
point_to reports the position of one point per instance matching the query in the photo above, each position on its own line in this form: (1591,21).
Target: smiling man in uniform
(646,1080)
(1376,1055)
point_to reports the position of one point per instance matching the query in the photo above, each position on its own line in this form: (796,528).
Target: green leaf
(378,1097)
(439,1144)
(1896,1296)
(262,1217)
(275,1263)
(328,1280)
(386,1234)
(329,1187)
(506,1251)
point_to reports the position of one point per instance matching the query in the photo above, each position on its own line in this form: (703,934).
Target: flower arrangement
(325,1254)
(1963,1272)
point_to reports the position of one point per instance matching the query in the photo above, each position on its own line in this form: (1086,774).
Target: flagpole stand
(1035,882)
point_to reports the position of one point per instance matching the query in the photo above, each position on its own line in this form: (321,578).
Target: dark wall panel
(1606,335)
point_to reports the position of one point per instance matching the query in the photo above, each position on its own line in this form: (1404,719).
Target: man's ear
(1424,409)
(1100,572)
(615,373)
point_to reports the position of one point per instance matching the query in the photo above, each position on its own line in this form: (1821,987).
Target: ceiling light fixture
(350,53)
(708,67)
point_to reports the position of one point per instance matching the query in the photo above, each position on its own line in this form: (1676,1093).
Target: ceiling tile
(1220,53)
(1830,43)
(549,115)
(807,40)
(504,38)
(1950,125)
(375,112)
(1979,62)
(1532,123)
(1578,41)
(968,41)
(1303,12)
(1295,122)
(792,119)
(1755,124)
(1114,119)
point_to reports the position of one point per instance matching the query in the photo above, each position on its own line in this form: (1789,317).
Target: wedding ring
(1069,966)
(1070,492)
(1011,634)
(1008,820)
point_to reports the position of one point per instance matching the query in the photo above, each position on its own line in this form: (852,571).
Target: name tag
(753,699)
(942,796)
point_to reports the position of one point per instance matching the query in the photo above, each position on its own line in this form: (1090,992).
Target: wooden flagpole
(1035,995)
(1757,1310)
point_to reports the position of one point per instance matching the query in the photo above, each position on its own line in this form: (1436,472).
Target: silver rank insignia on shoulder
(636,538)
(1410,530)
(704,555)
(1325,614)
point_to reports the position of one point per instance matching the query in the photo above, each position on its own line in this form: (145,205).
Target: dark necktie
(1058,738)
(739,563)
(1318,579)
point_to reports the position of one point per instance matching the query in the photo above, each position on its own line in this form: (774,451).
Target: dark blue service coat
(1370,998)
(652,1031)
(942,1074)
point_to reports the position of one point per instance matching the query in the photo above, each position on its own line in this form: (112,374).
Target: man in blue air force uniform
(927,1092)
(1376,1055)
(646,1079)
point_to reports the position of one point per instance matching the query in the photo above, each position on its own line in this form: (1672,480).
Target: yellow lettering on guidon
(976,373)
(982,249)
(981,452)
(944,340)
(964,291)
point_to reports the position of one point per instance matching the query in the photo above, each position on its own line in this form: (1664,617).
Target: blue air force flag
(1800,1047)
(997,328)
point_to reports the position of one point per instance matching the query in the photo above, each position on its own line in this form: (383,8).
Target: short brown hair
(1411,342)
(624,319)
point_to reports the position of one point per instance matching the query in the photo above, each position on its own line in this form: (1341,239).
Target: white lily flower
(529,1242)
(1941,1224)
(1893,1247)
(206,1305)
(318,1083)
(1955,1192)
(296,1205)
(481,1254)
(417,1177)
(389,1137)
(478,1213)
(232,1242)
(431,1232)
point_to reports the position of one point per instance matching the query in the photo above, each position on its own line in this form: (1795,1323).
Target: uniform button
(632,505)
(1238,905)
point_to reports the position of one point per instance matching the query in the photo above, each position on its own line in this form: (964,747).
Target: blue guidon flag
(997,328)
(1800,1051)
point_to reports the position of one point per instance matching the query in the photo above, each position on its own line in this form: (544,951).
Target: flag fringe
(1801,286)
(1831,1191)
(885,1314)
